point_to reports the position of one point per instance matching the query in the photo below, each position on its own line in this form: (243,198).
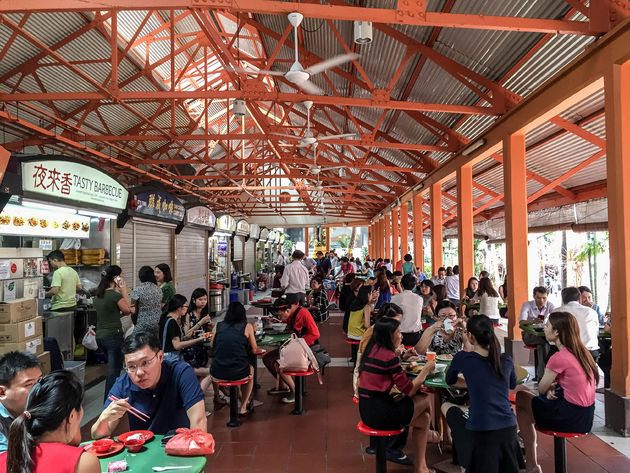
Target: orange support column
(369,229)
(617,91)
(404,229)
(418,248)
(328,231)
(381,244)
(378,242)
(515,182)
(388,236)
(465,228)
(437,256)
(395,241)
(306,242)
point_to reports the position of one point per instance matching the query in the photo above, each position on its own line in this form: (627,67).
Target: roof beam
(410,13)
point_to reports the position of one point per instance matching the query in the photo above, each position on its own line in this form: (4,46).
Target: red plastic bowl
(134,445)
(103,445)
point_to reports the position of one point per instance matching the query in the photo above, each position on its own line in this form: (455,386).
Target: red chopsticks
(132,410)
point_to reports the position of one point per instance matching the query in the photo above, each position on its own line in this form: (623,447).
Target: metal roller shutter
(249,263)
(191,260)
(237,255)
(126,254)
(144,244)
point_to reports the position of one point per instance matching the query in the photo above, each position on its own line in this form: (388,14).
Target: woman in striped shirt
(379,371)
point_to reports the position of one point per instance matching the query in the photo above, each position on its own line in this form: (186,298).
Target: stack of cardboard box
(21,329)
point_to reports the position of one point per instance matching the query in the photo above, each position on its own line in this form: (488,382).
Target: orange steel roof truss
(172,68)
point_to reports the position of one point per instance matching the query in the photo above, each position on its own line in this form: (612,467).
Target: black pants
(605,359)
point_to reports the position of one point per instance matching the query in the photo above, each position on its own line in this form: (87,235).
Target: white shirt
(295,278)
(309,263)
(411,305)
(587,320)
(436,280)
(280,260)
(489,306)
(530,311)
(389,267)
(452,286)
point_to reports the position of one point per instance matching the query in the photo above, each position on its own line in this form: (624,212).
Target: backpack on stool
(296,355)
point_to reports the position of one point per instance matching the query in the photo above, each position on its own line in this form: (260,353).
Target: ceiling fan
(308,138)
(314,168)
(297,74)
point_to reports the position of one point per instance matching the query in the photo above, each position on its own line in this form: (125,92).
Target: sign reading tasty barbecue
(73,181)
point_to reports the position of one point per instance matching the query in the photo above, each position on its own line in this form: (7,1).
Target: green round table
(273,339)
(153,454)
(540,332)
(438,381)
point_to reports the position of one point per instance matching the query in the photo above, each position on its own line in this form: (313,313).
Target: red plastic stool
(532,347)
(559,447)
(299,389)
(233,385)
(379,439)
(259,352)
(409,347)
(354,348)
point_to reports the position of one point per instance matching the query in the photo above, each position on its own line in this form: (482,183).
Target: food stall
(250,250)
(56,202)
(191,241)
(271,251)
(146,232)
(219,257)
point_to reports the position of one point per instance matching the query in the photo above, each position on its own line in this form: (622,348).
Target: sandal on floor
(404,460)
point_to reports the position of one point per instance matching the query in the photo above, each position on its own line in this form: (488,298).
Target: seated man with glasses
(168,392)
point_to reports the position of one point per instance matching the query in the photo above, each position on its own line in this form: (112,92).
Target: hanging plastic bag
(190,443)
(89,339)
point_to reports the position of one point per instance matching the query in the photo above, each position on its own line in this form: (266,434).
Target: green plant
(364,252)
(287,247)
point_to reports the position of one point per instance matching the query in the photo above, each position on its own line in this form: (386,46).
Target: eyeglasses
(144,365)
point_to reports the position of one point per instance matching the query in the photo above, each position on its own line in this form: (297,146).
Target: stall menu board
(242,228)
(200,215)
(24,221)
(226,223)
(160,204)
(264,234)
(72,181)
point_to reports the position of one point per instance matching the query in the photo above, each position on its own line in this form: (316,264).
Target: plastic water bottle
(259,326)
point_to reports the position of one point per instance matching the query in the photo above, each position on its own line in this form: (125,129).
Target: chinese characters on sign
(200,215)
(78,182)
(160,204)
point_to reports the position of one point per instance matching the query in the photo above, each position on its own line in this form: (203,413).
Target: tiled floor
(325,439)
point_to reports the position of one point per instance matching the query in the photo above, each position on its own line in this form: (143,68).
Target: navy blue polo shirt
(177,391)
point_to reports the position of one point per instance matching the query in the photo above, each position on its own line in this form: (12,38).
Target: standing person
(408,266)
(388,265)
(488,300)
(566,400)
(345,295)
(164,279)
(299,321)
(503,289)
(452,286)
(45,437)
(19,371)
(65,284)
(110,304)
(379,371)
(171,333)
(346,267)
(411,305)
(587,319)
(146,301)
(166,391)
(197,318)
(334,261)
(586,299)
(317,300)
(280,259)
(310,264)
(233,344)
(440,277)
(484,436)
(295,278)
(323,264)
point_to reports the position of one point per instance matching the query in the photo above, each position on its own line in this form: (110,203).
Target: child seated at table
(484,436)
(566,400)
(46,436)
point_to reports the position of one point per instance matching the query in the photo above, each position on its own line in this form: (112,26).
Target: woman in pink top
(46,436)
(567,390)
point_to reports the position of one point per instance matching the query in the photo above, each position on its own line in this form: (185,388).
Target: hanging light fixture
(239,109)
(362,32)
